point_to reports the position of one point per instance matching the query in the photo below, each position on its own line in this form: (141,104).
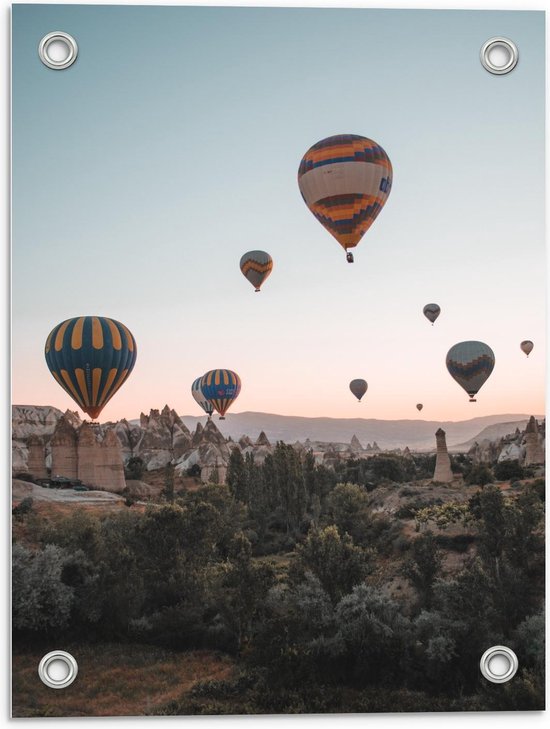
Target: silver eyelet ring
(505,43)
(507,658)
(58,657)
(58,36)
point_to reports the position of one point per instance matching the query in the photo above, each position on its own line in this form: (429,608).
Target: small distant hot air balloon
(196,391)
(431,312)
(345,181)
(222,388)
(358,388)
(527,346)
(470,364)
(419,406)
(256,267)
(90,357)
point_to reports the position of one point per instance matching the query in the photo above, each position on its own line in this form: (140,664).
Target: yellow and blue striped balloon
(222,388)
(90,357)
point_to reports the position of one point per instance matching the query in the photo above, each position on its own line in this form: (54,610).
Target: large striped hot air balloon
(431,312)
(196,391)
(256,267)
(345,181)
(358,388)
(91,357)
(222,388)
(470,364)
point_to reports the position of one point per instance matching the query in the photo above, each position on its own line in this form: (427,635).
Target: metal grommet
(498,664)
(58,50)
(510,52)
(58,669)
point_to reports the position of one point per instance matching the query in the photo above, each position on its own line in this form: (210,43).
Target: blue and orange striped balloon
(222,388)
(345,181)
(91,357)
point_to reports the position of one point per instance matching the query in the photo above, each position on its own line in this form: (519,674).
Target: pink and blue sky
(142,173)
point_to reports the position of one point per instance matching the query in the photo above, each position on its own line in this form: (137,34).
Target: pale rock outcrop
(245,442)
(534,444)
(511,452)
(355,445)
(36,463)
(64,450)
(100,459)
(164,438)
(442,473)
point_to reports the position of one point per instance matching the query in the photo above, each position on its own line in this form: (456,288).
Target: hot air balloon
(91,357)
(196,391)
(222,388)
(256,267)
(470,364)
(527,346)
(431,312)
(419,406)
(345,181)
(358,388)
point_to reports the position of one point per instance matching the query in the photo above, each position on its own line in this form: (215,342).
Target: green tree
(41,602)
(508,471)
(168,490)
(243,589)
(335,560)
(135,468)
(347,506)
(423,566)
(236,476)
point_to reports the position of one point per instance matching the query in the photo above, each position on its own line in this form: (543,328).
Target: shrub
(24,507)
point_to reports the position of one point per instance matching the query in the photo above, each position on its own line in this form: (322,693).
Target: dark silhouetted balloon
(358,388)
(470,364)
(527,346)
(419,406)
(90,357)
(431,312)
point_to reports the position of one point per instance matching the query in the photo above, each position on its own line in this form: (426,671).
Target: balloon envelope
(345,181)
(90,357)
(358,388)
(431,312)
(256,267)
(419,406)
(222,388)
(527,346)
(470,364)
(196,391)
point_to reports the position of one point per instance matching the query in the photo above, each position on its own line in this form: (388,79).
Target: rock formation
(534,447)
(36,463)
(263,440)
(64,454)
(100,459)
(442,473)
(355,445)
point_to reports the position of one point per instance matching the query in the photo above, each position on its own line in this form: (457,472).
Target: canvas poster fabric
(278,360)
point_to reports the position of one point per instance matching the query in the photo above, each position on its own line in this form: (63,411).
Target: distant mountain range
(417,434)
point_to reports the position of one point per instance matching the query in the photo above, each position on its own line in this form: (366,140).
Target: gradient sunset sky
(142,173)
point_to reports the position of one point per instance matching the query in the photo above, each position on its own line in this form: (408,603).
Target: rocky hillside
(162,437)
(416,434)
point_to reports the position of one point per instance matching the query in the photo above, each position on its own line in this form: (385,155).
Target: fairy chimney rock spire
(442,473)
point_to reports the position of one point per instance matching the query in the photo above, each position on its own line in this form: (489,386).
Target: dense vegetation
(286,569)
